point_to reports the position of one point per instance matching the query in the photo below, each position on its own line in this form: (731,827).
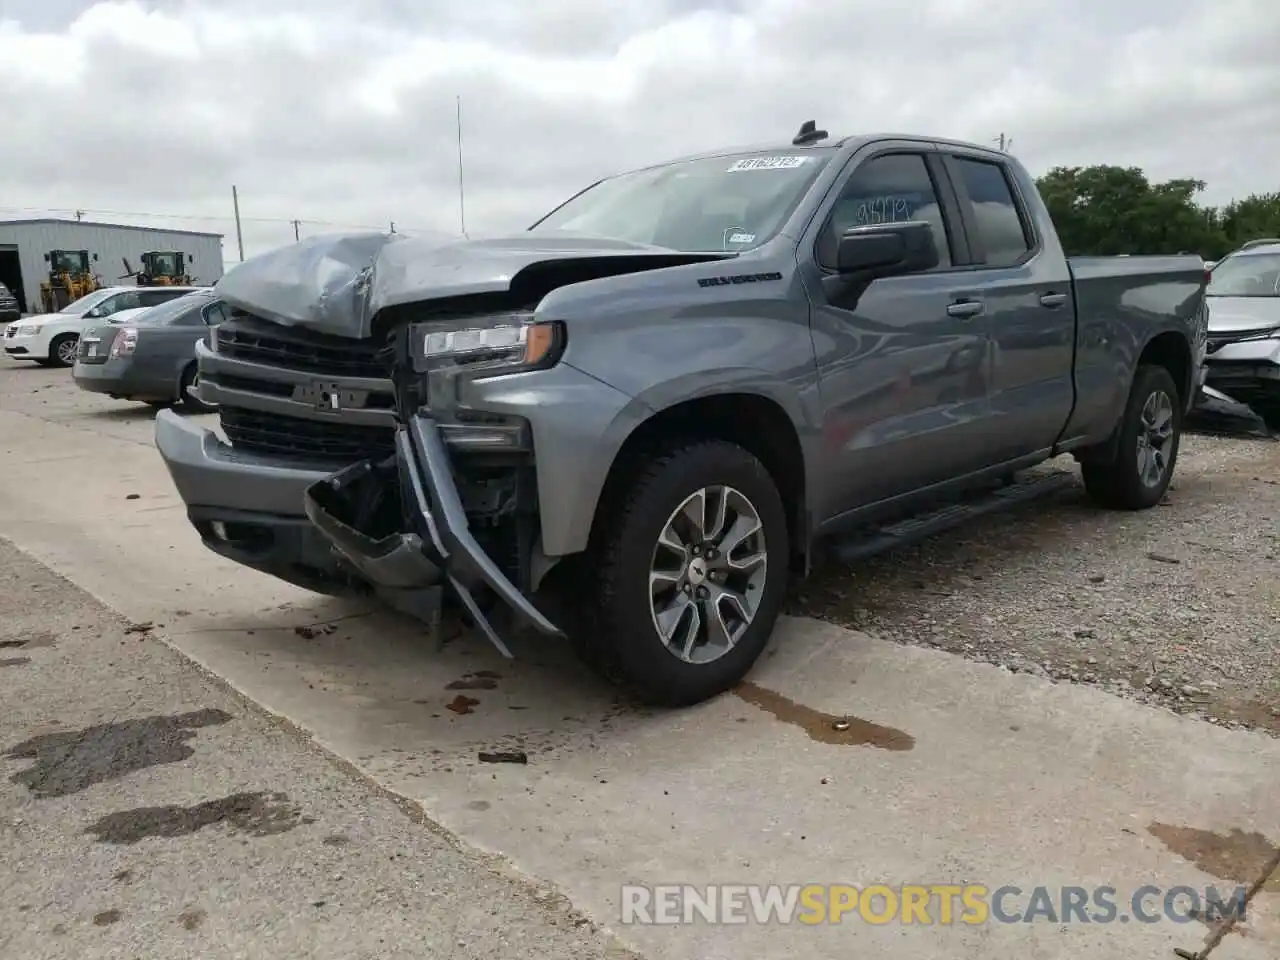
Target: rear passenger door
(900,360)
(1023,281)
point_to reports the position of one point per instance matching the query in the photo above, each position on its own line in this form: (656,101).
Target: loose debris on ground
(1177,606)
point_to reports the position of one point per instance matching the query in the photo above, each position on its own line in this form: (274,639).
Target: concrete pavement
(147,811)
(989,777)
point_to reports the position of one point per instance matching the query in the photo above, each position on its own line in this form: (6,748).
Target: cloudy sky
(342,114)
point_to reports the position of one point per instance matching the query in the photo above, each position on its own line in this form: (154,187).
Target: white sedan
(51,339)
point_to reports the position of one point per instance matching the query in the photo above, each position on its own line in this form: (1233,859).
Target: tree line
(1105,210)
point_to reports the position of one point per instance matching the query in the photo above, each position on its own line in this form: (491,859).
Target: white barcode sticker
(785,162)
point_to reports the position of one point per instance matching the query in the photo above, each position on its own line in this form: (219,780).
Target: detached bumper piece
(401,523)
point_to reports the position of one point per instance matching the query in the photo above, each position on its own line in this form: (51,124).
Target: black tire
(58,346)
(189,402)
(621,639)
(1119,483)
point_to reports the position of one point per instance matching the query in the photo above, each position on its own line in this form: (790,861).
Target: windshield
(714,204)
(1246,275)
(69,261)
(87,302)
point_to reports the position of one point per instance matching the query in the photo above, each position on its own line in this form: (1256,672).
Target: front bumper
(249,509)
(428,538)
(1246,369)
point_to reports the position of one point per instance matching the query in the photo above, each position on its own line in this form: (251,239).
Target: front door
(902,361)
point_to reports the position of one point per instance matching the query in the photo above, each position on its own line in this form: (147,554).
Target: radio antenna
(462,197)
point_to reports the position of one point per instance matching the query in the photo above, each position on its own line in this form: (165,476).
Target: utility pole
(296,224)
(393,226)
(79,215)
(235,202)
(1006,143)
(462,203)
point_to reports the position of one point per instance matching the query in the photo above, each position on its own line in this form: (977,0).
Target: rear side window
(892,188)
(191,317)
(1000,226)
(151,298)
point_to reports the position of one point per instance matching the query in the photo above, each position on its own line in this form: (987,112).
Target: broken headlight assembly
(505,343)
(442,354)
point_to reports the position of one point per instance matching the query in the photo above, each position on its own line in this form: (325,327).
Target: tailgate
(95,344)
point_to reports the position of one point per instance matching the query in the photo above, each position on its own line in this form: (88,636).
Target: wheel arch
(1172,350)
(755,421)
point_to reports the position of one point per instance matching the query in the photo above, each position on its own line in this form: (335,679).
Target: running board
(922,526)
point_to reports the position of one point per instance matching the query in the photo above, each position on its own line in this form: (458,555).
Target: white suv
(51,339)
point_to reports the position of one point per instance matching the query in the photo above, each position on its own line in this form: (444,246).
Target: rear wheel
(689,574)
(62,351)
(191,381)
(1150,434)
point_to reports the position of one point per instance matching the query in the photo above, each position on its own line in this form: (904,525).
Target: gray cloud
(343,113)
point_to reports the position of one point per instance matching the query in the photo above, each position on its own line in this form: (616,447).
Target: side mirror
(46,258)
(887,249)
(95,258)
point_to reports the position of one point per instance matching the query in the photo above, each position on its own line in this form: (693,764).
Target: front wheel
(1150,434)
(690,572)
(62,351)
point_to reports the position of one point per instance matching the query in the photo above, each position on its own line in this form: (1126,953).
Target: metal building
(24,245)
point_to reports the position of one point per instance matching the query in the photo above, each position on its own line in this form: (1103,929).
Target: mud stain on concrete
(14,661)
(824,727)
(191,918)
(68,762)
(257,814)
(1236,855)
(29,641)
(106,918)
(462,704)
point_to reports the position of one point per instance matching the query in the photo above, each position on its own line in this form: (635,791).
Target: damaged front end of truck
(457,516)
(405,379)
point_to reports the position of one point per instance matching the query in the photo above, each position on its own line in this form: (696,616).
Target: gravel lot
(1178,606)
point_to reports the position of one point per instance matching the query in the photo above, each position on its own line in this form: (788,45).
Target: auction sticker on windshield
(786,162)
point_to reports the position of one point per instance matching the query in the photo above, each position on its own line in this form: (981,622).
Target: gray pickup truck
(663,395)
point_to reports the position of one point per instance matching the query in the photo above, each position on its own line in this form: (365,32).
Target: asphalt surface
(148,811)
(849,759)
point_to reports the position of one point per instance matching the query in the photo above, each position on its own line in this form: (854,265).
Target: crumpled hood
(337,283)
(1236,314)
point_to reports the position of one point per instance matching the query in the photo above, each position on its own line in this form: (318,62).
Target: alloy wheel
(707,574)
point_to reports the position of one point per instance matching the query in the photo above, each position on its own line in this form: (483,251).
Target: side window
(189,318)
(152,298)
(995,212)
(121,301)
(887,189)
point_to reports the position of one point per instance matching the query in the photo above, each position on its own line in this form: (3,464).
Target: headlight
(30,331)
(502,343)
